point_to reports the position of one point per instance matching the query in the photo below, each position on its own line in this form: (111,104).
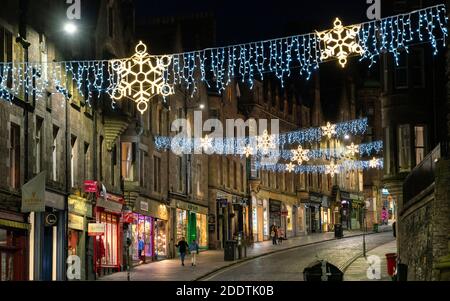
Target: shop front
(352,212)
(275,213)
(260,219)
(13,247)
(108,247)
(313,221)
(150,223)
(80,213)
(325,214)
(191,223)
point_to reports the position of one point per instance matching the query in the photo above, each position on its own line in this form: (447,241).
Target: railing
(422,176)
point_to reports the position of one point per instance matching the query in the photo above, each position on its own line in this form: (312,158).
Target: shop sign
(109,205)
(96,229)
(127,217)
(76,222)
(90,186)
(144,205)
(192,207)
(50,219)
(80,206)
(33,194)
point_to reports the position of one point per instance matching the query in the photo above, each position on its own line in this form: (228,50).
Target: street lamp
(70,28)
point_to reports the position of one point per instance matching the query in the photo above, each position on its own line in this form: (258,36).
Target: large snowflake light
(248,151)
(142,77)
(340,42)
(266,142)
(332,169)
(352,149)
(300,155)
(329,130)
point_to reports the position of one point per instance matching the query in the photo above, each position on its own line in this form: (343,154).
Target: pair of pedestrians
(193,248)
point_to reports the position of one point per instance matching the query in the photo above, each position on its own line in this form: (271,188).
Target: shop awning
(14,224)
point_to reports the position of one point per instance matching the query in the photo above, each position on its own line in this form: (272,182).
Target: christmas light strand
(216,67)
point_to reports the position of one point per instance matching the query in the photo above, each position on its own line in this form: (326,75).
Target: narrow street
(289,265)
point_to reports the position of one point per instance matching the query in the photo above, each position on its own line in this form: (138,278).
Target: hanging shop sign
(111,203)
(76,222)
(90,186)
(96,229)
(51,219)
(33,194)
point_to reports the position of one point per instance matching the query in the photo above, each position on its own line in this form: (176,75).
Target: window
(417,65)
(142,175)
(199,177)
(6,50)
(329,182)
(320,182)
(228,172)
(419,143)
(387,152)
(73,160)
(86,161)
(243,176)
(404,148)
(100,157)
(180,174)
(55,154)
(234,175)
(14,156)
(128,161)
(113,164)
(156,174)
(401,72)
(39,144)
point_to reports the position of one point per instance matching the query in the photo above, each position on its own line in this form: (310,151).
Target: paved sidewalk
(357,271)
(211,261)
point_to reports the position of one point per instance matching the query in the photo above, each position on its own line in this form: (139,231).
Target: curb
(278,251)
(356,257)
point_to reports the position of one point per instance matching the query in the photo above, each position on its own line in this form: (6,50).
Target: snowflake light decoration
(206,143)
(340,42)
(352,149)
(300,155)
(248,151)
(142,77)
(332,169)
(266,142)
(329,130)
(290,167)
(374,163)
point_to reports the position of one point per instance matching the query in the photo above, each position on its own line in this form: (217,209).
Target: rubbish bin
(230,250)
(391,259)
(375,228)
(338,231)
(322,271)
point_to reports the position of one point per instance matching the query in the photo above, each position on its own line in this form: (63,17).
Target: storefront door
(47,254)
(192,227)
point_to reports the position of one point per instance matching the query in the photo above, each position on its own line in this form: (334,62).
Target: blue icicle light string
(216,67)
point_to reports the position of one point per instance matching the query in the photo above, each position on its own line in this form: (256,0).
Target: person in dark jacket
(182,246)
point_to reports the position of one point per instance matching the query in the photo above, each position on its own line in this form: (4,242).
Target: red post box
(391,259)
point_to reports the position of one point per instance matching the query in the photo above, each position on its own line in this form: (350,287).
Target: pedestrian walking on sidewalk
(182,246)
(274,233)
(141,247)
(280,236)
(193,249)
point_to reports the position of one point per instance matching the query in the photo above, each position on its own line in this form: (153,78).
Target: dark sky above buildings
(254,20)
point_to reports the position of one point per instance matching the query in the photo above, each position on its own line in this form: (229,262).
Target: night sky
(253,20)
